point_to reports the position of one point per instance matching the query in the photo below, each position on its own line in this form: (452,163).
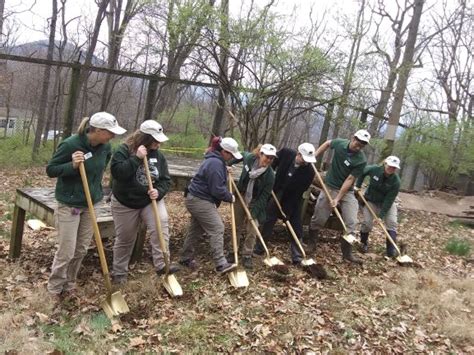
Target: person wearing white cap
(131,197)
(91,147)
(382,190)
(208,188)
(347,165)
(294,175)
(255,185)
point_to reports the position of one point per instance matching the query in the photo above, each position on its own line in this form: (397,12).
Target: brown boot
(312,240)
(346,249)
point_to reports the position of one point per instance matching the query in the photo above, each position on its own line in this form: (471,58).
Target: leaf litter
(379,307)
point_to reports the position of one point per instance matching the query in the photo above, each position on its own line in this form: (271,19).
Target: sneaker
(224,268)
(190,263)
(173,269)
(364,248)
(247,262)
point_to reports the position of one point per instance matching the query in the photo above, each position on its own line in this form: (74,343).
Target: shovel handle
(249,217)
(326,191)
(387,234)
(233,227)
(289,226)
(154,205)
(95,226)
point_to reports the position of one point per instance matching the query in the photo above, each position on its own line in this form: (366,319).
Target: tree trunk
(325,130)
(46,80)
(349,74)
(404,73)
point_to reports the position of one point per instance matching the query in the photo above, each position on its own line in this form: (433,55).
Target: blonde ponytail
(83,125)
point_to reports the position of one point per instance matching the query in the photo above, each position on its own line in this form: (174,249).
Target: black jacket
(290,183)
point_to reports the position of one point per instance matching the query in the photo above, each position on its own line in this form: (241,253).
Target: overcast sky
(33,23)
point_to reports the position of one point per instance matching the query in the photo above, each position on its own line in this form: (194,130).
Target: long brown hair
(137,139)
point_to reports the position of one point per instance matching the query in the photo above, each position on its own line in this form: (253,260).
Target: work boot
(226,267)
(364,239)
(231,258)
(346,249)
(172,270)
(247,262)
(313,235)
(391,251)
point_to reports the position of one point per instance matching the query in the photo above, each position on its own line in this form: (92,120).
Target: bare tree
(404,73)
(117,26)
(46,79)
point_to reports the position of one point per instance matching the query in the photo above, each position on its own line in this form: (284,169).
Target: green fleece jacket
(130,185)
(262,189)
(382,190)
(69,189)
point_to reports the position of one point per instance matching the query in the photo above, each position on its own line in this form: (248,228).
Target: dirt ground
(436,202)
(380,307)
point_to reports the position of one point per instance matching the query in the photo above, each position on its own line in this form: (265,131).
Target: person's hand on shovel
(335,202)
(77,158)
(141,152)
(153,194)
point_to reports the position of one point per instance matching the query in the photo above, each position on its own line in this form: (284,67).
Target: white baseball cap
(307,152)
(230,145)
(154,129)
(393,161)
(362,135)
(105,120)
(268,149)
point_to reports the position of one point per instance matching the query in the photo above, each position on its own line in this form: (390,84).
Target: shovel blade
(350,238)
(114,305)
(308,262)
(238,278)
(272,261)
(172,285)
(404,259)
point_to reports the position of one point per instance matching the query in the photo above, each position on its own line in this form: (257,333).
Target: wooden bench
(40,202)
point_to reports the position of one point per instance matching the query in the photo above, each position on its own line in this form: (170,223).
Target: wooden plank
(16,234)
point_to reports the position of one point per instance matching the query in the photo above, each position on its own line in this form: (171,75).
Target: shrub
(460,247)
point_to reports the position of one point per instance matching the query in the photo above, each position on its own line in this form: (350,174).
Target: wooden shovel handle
(387,234)
(289,226)
(326,191)
(249,217)
(95,226)
(233,227)
(156,215)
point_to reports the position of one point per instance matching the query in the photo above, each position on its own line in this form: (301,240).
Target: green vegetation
(14,153)
(460,247)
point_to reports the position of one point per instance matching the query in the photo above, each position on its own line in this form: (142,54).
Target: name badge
(87,156)
(376,178)
(247,167)
(347,162)
(153,160)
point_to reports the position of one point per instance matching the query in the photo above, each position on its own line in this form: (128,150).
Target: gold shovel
(114,303)
(170,282)
(269,261)
(402,259)
(305,261)
(348,237)
(237,277)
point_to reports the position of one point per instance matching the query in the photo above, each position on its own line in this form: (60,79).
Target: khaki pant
(204,219)
(74,226)
(390,218)
(126,221)
(245,228)
(322,210)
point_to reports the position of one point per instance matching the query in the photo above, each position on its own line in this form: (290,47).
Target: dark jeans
(294,217)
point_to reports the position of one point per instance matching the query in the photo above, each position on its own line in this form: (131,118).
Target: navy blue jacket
(210,182)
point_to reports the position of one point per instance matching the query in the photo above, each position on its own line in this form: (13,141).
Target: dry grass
(445,301)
